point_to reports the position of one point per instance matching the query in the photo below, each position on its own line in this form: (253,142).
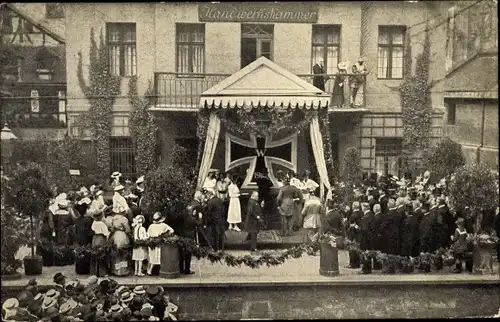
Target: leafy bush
(352,173)
(28,194)
(14,233)
(474,186)
(168,191)
(445,158)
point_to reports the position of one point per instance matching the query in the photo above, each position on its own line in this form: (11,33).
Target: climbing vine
(415,95)
(101,93)
(142,127)
(324,125)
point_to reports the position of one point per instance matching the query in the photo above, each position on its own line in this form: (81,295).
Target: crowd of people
(387,214)
(405,218)
(93,300)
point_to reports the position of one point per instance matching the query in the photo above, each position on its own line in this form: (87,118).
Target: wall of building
(156,52)
(382,94)
(476,129)
(348,301)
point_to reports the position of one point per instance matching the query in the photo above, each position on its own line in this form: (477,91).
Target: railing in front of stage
(183,91)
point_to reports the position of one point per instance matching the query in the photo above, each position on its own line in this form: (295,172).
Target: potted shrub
(29,194)
(13,236)
(473,190)
(445,158)
(169,192)
(329,257)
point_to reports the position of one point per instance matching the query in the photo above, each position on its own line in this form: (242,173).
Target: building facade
(34,70)
(186,48)
(471,85)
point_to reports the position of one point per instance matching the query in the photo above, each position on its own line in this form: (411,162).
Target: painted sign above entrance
(258,12)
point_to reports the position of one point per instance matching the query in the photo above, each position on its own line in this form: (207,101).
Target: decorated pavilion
(252,123)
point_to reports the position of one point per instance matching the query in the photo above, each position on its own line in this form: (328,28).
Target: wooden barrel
(169,267)
(328,260)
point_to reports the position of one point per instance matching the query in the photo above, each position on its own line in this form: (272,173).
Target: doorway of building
(256,41)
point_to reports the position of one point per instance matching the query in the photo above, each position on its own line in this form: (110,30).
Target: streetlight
(7,140)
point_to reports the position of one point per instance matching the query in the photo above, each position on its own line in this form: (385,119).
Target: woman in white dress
(312,216)
(157,228)
(234,211)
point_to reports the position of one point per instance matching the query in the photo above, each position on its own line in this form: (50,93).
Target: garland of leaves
(243,120)
(142,127)
(101,94)
(415,95)
(444,256)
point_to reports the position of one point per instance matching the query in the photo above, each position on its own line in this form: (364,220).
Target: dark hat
(153,290)
(59,278)
(137,302)
(104,286)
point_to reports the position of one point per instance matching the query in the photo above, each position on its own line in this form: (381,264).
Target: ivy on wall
(415,95)
(101,92)
(143,127)
(324,125)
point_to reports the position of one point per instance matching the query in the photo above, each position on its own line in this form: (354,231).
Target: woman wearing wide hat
(99,264)
(157,228)
(83,235)
(120,239)
(115,177)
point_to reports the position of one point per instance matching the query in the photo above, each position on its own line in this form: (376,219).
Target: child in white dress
(139,253)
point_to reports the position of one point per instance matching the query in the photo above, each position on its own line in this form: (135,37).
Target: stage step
(267,239)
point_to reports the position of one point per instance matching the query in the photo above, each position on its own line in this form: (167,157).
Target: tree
(56,159)
(352,173)
(101,93)
(476,187)
(168,191)
(28,194)
(14,232)
(445,158)
(142,127)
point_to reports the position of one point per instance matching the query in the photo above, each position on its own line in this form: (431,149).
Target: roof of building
(43,27)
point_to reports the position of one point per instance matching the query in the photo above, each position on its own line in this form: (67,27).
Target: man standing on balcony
(319,81)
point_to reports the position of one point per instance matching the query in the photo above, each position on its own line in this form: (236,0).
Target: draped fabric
(209,150)
(319,157)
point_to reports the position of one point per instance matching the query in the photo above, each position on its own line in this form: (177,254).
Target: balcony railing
(181,91)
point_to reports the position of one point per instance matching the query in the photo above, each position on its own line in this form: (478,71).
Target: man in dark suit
(286,199)
(253,219)
(417,210)
(353,233)
(424,230)
(368,237)
(377,244)
(389,227)
(191,220)
(334,221)
(319,81)
(382,200)
(448,223)
(215,220)
(410,237)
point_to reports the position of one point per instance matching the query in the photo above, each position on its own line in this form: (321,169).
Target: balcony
(181,92)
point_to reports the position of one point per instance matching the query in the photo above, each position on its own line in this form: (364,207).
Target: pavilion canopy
(264,83)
